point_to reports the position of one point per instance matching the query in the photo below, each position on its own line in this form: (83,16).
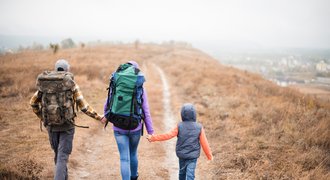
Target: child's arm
(164,137)
(205,145)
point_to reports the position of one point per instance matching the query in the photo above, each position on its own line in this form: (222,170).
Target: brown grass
(256,129)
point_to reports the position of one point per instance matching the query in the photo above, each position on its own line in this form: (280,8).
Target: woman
(128,140)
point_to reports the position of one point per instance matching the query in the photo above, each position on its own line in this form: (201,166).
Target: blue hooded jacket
(188,144)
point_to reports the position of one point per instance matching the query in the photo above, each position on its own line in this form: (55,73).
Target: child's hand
(149,137)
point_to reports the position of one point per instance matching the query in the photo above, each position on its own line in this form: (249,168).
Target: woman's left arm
(147,115)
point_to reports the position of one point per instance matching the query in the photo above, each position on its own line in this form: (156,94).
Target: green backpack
(124,104)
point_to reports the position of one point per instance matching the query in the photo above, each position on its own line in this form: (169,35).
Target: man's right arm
(35,103)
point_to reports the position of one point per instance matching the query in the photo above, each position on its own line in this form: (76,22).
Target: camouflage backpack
(57,101)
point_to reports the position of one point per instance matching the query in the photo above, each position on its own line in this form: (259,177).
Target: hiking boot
(134,178)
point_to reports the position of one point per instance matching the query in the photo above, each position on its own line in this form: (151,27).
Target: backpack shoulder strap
(68,81)
(137,71)
(111,89)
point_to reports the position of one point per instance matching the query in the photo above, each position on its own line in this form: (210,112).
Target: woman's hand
(149,137)
(104,120)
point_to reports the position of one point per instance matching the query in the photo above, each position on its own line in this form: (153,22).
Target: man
(54,104)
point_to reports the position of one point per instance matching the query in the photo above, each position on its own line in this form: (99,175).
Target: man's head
(62,65)
(188,112)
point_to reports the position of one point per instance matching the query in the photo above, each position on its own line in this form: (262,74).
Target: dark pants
(187,169)
(61,143)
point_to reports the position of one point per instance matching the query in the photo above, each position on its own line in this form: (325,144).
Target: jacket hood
(135,64)
(188,112)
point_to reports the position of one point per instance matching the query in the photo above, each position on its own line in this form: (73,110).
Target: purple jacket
(145,106)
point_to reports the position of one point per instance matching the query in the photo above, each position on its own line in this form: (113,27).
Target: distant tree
(172,42)
(37,46)
(82,45)
(20,48)
(54,47)
(136,44)
(67,43)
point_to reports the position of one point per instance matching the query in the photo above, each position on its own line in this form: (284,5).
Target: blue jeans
(127,145)
(61,143)
(187,169)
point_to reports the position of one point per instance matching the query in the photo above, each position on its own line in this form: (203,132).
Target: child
(191,137)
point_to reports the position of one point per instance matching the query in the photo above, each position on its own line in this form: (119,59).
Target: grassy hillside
(256,129)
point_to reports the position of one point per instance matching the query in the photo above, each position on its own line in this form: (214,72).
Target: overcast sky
(268,23)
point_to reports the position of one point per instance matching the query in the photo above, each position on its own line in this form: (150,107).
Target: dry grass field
(256,129)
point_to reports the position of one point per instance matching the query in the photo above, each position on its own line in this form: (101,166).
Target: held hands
(149,137)
(104,120)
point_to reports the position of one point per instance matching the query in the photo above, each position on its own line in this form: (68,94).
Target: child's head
(188,112)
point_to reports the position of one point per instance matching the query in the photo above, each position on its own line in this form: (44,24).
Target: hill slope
(256,129)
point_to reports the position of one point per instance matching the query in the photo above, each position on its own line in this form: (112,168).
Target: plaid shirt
(35,103)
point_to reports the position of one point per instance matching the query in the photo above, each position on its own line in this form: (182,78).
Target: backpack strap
(39,96)
(142,123)
(75,105)
(143,113)
(46,110)
(136,70)
(77,125)
(111,88)
(40,125)
(132,106)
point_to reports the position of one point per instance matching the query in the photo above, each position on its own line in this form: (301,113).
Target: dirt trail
(93,156)
(170,122)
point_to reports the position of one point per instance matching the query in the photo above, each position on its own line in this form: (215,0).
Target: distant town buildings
(322,67)
(284,69)
(4,50)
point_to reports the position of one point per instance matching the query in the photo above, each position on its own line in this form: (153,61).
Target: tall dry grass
(257,129)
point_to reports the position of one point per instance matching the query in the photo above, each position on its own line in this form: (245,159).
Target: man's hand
(104,120)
